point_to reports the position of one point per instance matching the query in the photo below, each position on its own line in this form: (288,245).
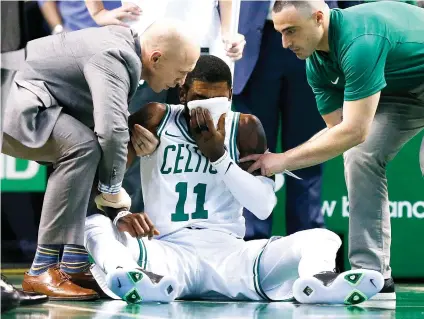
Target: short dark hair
(299,5)
(210,68)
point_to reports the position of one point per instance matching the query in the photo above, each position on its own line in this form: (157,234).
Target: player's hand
(138,225)
(268,163)
(119,200)
(209,139)
(143,141)
(234,45)
(128,11)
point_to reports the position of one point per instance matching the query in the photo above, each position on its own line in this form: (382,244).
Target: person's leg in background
(266,95)
(300,121)
(12,57)
(395,123)
(261,97)
(74,151)
(6,82)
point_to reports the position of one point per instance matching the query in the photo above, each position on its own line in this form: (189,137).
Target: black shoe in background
(26,298)
(387,292)
(9,297)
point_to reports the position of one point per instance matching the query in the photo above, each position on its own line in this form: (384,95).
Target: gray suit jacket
(89,74)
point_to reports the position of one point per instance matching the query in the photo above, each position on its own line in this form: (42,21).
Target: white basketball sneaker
(350,287)
(136,285)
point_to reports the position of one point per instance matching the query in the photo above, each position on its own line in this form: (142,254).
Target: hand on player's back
(137,225)
(209,139)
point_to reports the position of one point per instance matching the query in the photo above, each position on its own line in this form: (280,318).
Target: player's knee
(95,225)
(325,237)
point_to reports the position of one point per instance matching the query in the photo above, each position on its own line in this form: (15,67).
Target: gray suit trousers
(398,120)
(6,82)
(74,152)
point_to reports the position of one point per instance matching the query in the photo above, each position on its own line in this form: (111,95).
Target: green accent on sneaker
(355,297)
(135,276)
(353,279)
(132,296)
(308,290)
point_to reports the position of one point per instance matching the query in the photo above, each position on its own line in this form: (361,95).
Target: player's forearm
(254,193)
(131,155)
(94,6)
(329,144)
(50,13)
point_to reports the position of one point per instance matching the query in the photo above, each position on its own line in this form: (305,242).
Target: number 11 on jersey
(200,213)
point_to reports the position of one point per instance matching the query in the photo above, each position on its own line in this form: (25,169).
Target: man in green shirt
(365,65)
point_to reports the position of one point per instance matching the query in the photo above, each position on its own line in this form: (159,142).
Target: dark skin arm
(251,137)
(147,118)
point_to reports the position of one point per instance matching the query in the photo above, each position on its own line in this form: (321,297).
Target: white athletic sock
(103,242)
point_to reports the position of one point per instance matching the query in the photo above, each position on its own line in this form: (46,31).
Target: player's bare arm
(143,125)
(251,139)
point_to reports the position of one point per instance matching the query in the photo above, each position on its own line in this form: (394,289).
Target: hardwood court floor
(409,305)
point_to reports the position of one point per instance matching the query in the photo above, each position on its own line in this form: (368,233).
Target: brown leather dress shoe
(86,280)
(57,285)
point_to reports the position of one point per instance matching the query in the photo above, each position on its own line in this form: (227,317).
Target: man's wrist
(217,155)
(119,216)
(223,164)
(99,14)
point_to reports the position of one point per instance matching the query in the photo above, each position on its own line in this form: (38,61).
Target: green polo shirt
(373,47)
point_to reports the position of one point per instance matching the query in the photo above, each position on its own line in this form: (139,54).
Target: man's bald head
(167,35)
(307,7)
(168,53)
(302,24)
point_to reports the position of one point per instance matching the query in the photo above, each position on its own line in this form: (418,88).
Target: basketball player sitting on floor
(194,192)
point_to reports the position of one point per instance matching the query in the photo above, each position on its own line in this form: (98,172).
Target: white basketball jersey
(181,188)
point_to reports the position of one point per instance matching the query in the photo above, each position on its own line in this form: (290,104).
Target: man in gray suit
(68,107)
